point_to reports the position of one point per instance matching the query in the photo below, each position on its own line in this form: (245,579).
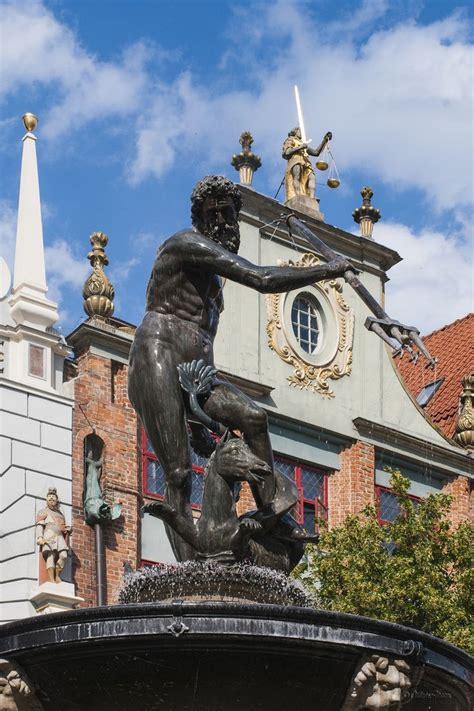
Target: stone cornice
(313,431)
(102,333)
(50,338)
(30,390)
(448,458)
(249,387)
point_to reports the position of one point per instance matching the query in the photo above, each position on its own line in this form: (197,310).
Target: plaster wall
(35,446)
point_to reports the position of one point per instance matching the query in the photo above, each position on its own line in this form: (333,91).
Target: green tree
(414,570)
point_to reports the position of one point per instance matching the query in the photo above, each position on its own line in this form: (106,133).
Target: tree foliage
(414,570)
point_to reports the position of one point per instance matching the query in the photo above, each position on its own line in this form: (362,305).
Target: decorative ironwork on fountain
(98,292)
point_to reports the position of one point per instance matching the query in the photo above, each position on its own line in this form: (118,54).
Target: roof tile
(453,346)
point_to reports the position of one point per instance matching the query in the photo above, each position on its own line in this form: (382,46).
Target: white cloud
(143,241)
(433,284)
(8,218)
(121,271)
(64,269)
(399,104)
(36,48)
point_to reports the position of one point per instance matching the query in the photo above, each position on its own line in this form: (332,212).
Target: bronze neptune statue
(184,302)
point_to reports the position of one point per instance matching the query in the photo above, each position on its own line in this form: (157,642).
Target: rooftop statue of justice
(173,383)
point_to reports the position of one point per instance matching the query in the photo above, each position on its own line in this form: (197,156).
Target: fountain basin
(202,656)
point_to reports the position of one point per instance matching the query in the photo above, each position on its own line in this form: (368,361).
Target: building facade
(340,415)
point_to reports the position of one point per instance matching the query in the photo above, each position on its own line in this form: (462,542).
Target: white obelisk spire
(29,305)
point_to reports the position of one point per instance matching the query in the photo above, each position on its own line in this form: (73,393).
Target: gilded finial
(30,121)
(246,162)
(98,292)
(465,423)
(366,215)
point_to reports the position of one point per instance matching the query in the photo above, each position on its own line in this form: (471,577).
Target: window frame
(378,490)
(313,311)
(321,508)
(147,455)
(145,563)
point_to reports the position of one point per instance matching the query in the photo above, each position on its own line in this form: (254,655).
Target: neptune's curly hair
(215,186)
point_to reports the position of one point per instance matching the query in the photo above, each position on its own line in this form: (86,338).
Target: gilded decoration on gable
(332,358)
(98,292)
(465,422)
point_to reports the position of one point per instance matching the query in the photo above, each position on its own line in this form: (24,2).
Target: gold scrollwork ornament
(308,375)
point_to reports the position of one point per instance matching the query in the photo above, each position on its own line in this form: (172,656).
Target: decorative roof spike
(246,162)
(465,423)
(30,121)
(98,292)
(29,305)
(366,215)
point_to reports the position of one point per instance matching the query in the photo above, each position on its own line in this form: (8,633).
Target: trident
(381,323)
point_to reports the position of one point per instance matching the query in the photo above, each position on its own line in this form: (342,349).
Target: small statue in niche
(299,175)
(96,510)
(52,536)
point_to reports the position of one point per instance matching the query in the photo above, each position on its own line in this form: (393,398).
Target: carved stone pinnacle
(366,215)
(98,292)
(465,422)
(246,162)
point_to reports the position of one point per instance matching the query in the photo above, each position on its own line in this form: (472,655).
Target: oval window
(304,320)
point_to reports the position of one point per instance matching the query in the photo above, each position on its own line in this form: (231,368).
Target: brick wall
(461,504)
(352,487)
(246,501)
(102,406)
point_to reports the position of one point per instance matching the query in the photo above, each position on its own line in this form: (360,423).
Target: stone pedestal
(307,205)
(55,597)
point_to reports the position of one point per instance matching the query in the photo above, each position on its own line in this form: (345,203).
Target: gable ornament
(334,359)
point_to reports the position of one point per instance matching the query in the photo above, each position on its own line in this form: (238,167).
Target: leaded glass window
(154,483)
(304,320)
(388,506)
(311,484)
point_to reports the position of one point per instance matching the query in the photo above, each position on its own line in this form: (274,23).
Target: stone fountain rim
(222,621)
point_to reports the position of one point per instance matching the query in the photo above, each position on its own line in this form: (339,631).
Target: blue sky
(138,99)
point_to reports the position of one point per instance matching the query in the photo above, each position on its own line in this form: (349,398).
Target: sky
(138,99)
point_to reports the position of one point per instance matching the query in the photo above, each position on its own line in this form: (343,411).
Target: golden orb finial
(30,121)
